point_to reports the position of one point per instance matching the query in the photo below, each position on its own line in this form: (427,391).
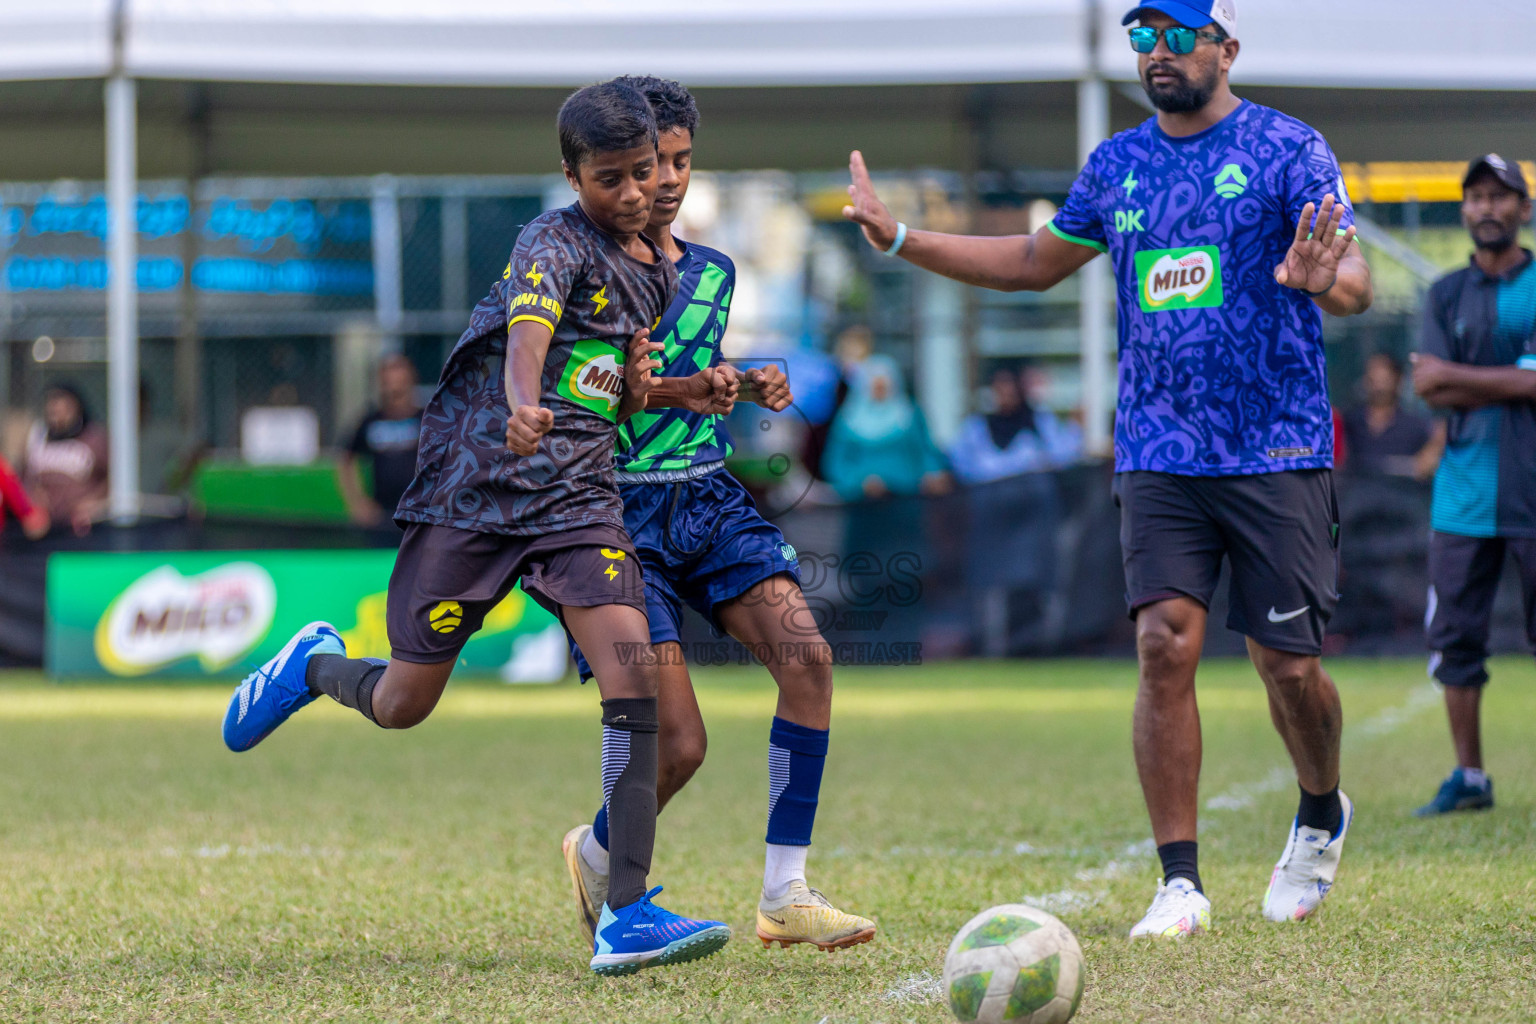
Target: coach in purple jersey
(1229,232)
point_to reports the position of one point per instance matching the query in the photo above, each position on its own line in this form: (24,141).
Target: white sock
(783,865)
(593,853)
(1475,777)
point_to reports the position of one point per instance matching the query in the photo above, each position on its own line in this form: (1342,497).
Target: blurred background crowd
(308,254)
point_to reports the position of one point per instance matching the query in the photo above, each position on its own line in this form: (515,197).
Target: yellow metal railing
(1405,182)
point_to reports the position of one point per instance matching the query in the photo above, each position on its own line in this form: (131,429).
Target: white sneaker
(1305,871)
(1178,909)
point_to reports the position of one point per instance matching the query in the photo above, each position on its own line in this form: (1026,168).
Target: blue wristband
(901,239)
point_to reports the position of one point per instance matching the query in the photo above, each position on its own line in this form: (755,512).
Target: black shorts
(1279,532)
(1463,579)
(447,579)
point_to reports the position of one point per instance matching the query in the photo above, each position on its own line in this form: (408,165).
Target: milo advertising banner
(224,613)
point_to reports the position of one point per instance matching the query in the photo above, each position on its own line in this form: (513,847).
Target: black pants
(1279,532)
(1464,575)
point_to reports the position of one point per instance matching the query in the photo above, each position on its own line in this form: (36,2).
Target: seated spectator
(66,461)
(387,439)
(1384,439)
(879,443)
(1014,437)
(14,500)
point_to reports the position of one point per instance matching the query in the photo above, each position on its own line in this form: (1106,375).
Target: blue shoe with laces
(644,935)
(1457,794)
(265,698)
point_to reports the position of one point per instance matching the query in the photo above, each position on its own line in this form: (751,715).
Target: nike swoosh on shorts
(1275,616)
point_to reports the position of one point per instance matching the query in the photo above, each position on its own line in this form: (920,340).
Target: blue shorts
(701,542)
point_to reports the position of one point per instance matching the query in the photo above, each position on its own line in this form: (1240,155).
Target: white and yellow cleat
(589,887)
(803,914)
(1178,909)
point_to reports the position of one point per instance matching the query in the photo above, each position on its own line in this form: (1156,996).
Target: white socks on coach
(593,853)
(783,865)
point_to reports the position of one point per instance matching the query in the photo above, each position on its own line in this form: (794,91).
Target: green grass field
(341,873)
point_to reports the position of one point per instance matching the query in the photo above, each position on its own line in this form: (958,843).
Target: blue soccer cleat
(644,935)
(265,698)
(1457,794)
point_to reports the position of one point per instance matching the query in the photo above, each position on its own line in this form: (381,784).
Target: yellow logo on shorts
(617,556)
(446,617)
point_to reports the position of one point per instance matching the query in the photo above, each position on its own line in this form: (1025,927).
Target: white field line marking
(1422,699)
(916,988)
(222,850)
(1234,798)
(925,987)
(1237,797)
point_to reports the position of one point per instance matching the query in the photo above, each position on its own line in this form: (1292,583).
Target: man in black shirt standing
(1381,438)
(1477,362)
(387,438)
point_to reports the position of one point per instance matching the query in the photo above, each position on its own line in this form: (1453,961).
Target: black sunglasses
(1180,40)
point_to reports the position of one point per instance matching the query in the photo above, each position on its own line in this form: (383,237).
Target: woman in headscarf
(1014,437)
(879,444)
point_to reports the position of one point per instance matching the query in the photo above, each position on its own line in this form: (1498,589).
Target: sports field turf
(341,873)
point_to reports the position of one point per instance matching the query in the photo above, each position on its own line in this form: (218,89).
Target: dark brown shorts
(446,580)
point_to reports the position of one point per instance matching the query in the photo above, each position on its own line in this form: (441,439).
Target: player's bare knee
(684,755)
(1166,654)
(1289,676)
(808,675)
(402,711)
(637,679)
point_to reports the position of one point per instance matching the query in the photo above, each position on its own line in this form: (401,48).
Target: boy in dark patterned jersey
(515,480)
(702,541)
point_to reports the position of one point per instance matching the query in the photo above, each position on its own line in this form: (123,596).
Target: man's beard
(1502,242)
(1184,97)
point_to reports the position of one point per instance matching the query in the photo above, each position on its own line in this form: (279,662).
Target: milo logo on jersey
(1179,279)
(594,377)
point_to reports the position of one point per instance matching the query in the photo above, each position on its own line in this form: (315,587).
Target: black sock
(629,792)
(1325,812)
(348,681)
(1181,860)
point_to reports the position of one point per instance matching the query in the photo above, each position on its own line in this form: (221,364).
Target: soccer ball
(1014,965)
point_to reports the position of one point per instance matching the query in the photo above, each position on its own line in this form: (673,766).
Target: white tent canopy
(1414,44)
(1359,43)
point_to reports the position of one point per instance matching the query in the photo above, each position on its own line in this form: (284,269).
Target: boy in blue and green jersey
(701,541)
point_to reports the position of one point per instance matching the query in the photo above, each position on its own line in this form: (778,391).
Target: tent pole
(122,296)
(1094,309)
(122,284)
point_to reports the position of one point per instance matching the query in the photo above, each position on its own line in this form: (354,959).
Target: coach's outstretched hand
(866,210)
(1312,263)
(526,426)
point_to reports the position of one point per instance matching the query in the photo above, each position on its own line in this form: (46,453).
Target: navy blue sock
(1181,860)
(600,826)
(629,793)
(796,755)
(1325,811)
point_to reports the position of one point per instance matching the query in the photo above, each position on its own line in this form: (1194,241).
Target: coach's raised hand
(866,210)
(1312,263)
